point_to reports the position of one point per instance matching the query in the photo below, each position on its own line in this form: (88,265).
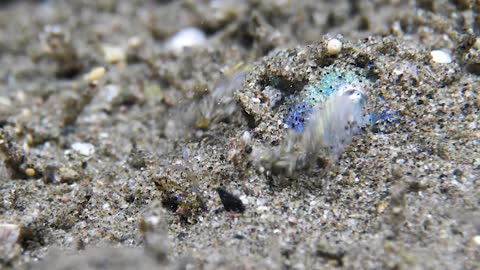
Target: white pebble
(84,149)
(95,74)
(334,46)
(244,199)
(5,101)
(114,54)
(187,37)
(246,138)
(440,56)
(106,206)
(135,42)
(9,233)
(110,92)
(476,240)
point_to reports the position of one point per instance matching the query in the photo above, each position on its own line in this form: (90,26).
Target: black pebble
(238,236)
(230,202)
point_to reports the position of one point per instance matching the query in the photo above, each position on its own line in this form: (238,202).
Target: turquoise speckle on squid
(315,93)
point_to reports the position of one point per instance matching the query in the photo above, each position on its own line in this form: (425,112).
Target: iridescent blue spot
(297,114)
(315,93)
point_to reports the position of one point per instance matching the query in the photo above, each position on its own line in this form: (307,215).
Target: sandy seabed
(115,144)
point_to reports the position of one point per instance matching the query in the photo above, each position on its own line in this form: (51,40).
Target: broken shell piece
(441,57)
(95,74)
(10,233)
(135,42)
(187,37)
(10,242)
(114,54)
(84,149)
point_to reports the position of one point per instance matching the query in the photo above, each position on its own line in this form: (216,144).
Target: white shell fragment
(114,54)
(476,240)
(4,101)
(9,233)
(246,138)
(441,57)
(84,149)
(95,74)
(334,46)
(187,37)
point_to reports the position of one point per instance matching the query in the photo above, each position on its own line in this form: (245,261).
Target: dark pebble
(238,236)
(230,202)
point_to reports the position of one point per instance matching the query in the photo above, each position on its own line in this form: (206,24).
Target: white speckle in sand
(84,149)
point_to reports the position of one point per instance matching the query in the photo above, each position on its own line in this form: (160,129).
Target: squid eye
(354,94)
